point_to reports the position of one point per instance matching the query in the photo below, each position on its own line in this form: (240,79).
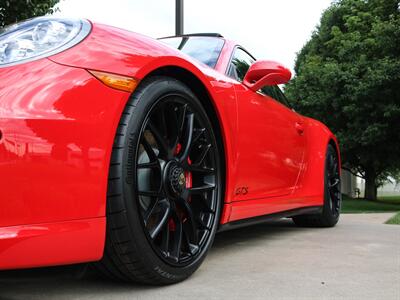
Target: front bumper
(57,126)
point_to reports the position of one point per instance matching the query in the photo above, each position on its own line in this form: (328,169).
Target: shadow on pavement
(78,281)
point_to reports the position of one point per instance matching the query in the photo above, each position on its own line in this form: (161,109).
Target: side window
(241,62)
(275,93)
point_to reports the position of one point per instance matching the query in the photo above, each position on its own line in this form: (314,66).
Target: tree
(12,11)
(348,76)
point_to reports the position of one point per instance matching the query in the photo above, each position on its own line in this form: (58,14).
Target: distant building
(391,188)
(349,184)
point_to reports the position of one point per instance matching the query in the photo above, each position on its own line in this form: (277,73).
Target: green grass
(395,220)
(384,204)
(390,199)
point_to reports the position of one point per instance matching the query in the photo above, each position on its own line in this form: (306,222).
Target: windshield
(204,49)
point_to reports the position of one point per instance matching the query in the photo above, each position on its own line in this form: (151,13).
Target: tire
(332,196)
(164,197)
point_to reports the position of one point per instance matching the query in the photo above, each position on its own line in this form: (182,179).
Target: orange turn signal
(122,83)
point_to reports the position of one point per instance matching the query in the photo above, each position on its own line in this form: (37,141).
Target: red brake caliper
(189,183)
(171,225)
(188,175)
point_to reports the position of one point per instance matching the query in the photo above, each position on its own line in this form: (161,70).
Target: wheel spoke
(329,165)
(147,214)
(164,207)
(164,246)
(191,219)
(335,203)
(335,183)
(159,116)
(188,137)
(330,189)
(182,120)
(202,224)
(205,203)
(149,149)
(192,248)
(177,240)
(202,156)
(149,165)
(172,125)
(149,193)
(197,169)
(331,159)
(331,201)
(335,168)
(197,134)
(161,142)
(201,189)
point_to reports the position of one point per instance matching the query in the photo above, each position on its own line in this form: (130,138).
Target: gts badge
(241,191)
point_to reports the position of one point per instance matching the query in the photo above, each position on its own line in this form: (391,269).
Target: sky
(269,29)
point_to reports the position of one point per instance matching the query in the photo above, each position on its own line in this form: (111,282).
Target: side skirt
(310,210)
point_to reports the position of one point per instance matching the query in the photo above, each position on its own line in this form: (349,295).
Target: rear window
(204,49)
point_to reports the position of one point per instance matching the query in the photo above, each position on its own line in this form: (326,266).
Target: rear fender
(310,189)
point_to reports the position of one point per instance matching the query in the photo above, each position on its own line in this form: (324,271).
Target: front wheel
(164,192)
(332,195)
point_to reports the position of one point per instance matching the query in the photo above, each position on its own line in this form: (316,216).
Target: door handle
(300,128)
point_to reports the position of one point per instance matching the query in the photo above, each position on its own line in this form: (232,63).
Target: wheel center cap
(176,178)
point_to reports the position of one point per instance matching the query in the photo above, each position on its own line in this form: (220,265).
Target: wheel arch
(201,91)
(311,185)
(334,143)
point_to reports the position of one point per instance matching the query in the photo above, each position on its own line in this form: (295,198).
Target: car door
(270,138)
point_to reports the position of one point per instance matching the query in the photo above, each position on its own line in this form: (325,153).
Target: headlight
(39,37)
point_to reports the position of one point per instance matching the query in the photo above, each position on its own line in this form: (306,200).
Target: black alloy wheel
(332,195)
(164,189)
(333,183)
(176,180)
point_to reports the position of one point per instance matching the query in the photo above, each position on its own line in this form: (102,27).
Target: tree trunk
(371,189)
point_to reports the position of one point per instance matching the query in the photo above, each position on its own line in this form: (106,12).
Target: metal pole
(179,17)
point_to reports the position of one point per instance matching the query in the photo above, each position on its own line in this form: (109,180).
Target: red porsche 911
(132,153)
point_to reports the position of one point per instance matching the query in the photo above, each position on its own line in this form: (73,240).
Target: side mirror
(266,73)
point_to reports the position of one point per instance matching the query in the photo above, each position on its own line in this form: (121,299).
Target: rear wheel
(332,196)
(164,193)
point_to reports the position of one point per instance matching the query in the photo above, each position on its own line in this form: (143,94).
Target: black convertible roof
(210,34)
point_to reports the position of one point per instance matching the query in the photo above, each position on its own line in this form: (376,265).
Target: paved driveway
(358,259)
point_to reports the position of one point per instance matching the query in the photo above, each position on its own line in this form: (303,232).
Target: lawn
(395,220)
(384,204)
(390,199)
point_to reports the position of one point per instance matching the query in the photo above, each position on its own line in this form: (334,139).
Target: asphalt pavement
(358,259)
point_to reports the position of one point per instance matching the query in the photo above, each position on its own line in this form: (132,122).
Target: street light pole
(179,17)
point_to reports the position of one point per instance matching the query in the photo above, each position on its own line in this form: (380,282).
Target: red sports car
(131,152)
